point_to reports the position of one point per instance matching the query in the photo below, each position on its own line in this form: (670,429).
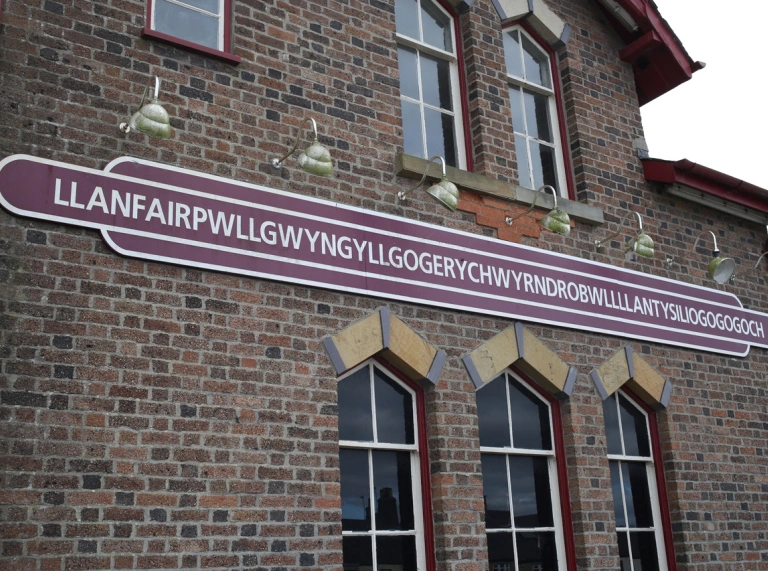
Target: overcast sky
(719,118)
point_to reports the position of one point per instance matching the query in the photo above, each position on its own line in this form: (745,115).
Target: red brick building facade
(161,416)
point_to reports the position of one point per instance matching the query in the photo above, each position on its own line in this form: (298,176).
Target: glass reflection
(436,82)
(187,24)
(612,430)
(635,428)
(536,551)
(407,18)
(531,501)
(536,64)
(512,54)
(409,75)
(516,101)
(396,553)
(413,142)
(544,164)
(357,552)
(644,552)
(441,139)
(618,499)
(355,490)
(355,418)
(394,410)
(523,169)
(495,491)
(393,488)
(493,415)
(530,419)
(435,28)
(501,551)
(637,494)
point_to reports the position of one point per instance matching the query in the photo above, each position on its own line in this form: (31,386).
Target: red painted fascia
(706,180)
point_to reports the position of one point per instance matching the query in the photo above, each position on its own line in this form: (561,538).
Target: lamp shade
(643,245)
(152,119)
(721,269)
(557,220)
(316,160)
(446,193)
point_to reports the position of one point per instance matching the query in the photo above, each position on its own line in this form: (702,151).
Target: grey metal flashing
(530,5)
(519,330)
(499,10)
(334,355)
(437,366)
(630,361)
(563,39)
(599,385)
(385,315)
(570,383)
(472,370)
(665,395)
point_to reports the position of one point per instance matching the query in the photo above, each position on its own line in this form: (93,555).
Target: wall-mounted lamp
(763,255)
(719,269)
(642,244)
(444,191)
(316,159)
(557,220)
(151,119)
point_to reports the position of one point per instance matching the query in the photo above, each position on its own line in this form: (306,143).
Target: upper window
(381,497)
(635,494)
(534,112)
(522,503)
(199,24)
(429,81)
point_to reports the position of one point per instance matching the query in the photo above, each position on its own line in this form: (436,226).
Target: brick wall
(160,417)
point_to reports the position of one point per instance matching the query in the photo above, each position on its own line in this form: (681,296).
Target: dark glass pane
(523,166)
(396,553)
(187,24)
(394,410)
(436,82)
(637,494)
(635,427)
(441,139)
(644,554)
(357,553)
(537,551)
(624,551)
(536,64)
(355,490)
(501,552)
(493,414)
(543,157)
(531,500)
(409,72)
(530,419)
(618,499)
(512,54)
(355,418)
(496,491)
(516,101)
(611,414)
(435,26)
(412,130)
(407,18)
(537,116)
(393,488)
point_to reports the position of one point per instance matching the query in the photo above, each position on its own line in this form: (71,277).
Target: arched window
(520,483)
(635,492)
(382,517)
(538,141)
(429,81)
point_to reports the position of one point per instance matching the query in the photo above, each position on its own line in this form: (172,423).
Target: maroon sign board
(156,212)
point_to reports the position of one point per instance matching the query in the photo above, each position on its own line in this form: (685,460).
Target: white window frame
(418,512)
(554,488)
(653,488)
(220,16)
(554,116)
(456,99)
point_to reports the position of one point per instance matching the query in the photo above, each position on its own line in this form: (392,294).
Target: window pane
(435,26)
(493,414)
(530,419)
(516,101)
(355,490)
(501,552)
(624,551)
(209,5)
(531,502)
(355,419)
(412,133)
(635,427)
(644,554)
(436,82)
(357,552)
(407,18)
(618,499)
(637,494)
(537,551)
(611,414)
(523,166)
(392,485)
(396,553)
(543,157)
(537,116)
(409,73)
(496,491)
(512,54)
(394,410)
(536,64)
(186,24)
(441,139)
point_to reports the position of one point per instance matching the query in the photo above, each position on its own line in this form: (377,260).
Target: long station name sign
(157,212)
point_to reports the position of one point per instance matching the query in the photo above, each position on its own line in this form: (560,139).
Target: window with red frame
(632,458)
(380,461)
(199,24)
(521,487)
